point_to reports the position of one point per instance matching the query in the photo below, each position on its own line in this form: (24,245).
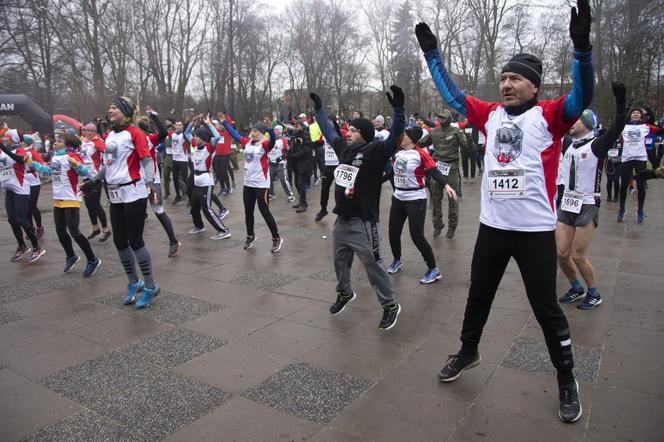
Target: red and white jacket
(202,159)
(410,168)
(12,174)
(180,146)
(64,177)
(279,150)
(124,151)
(33,176)
(91,152)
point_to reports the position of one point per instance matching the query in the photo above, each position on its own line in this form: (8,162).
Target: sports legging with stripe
(202,200)
(68,219)
(127,222)
(415,211)
(251,196)
(535,254)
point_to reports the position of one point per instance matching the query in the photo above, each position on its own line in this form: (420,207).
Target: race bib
(330,155)
(509,183)
(613,153)
(56,179)
(115,194)
(7,174)
(169,151)
(400,181)
(443,167)
(345,175)
(572,202)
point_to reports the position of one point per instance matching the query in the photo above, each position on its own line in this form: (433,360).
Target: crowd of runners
(540,162)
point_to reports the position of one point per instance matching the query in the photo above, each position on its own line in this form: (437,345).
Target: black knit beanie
(365,127)
(204,134)
(527,66)
(414,133)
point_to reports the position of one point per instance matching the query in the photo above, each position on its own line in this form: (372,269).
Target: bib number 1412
(509,183)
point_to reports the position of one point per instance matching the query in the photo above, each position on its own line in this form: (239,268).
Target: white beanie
(379,119)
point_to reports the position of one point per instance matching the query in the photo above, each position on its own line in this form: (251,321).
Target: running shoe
(390,314)
(342,300)
(69,262)
(640,216)
(221,235)
(94,233)
(177,199)
(572,295)
(273,197)
(296,206)
(457,364)
(105,235)
(395,266)
(631,190)
(320,215)
(570,405)
(21,251)
(450,233)
(132,290)
(174,248)
(39,232)
(590,302)
(621,216)
(317,181)
(302,208)
(276,244)
(224,213)
(249,242)
(437,232)
(197,230)
(36,254)
(432,275)
(291,198)
(148,295)
(91,268)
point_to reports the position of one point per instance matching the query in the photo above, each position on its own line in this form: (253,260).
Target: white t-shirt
(122,159)
(634,142)
(410,168)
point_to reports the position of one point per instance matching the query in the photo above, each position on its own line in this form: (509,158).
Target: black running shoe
(570,405)
(94,233)
(457,364)
(249,242)
(390,314)
(320,215)
(342,300)
(105,235)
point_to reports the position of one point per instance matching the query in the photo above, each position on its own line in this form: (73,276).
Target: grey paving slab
(127,389)
(28,331)
(288,339)
(172,348)
(10,379)
(7,316)
(122,330)
(263,280)
(310,392)
(83,427)
(230,323)
(166,307)
(529,354)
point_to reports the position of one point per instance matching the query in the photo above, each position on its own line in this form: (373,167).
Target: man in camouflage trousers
(447,141)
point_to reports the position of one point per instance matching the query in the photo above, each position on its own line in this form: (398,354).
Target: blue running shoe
(590,302)
(395,266)
(69,262)
(572,296)
(621,216)
(432,275)
(640,217)
(132,290)
(91,268)
(147,296)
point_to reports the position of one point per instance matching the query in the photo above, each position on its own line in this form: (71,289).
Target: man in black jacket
(300,157)
(358,179)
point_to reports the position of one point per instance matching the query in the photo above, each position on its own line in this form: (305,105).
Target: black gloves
(644,175)
(397,99)
(425,37)
(579,26)
(619,92)
(318,104)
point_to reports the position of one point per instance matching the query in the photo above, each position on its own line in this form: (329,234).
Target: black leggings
(180,172)
(251,196)
(201,200)
(128,221)
(18,215)
(416,212)
(612,179)
(468,157)
(93,204)
(628,169)
(35,213)
(68,218)
(328,179)
(223,171)
(535,254)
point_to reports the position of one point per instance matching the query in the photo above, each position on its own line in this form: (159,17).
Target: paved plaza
(240,346)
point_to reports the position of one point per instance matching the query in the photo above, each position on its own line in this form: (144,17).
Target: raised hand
(149,110)
(318,103)
(619,89)
(579,26)
(397,98)
(425,37)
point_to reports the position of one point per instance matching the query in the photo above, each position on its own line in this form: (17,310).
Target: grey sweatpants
(277,173)
(352,236)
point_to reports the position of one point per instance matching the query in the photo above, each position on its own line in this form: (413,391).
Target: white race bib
(345,175)
(613,153)
(400,181)
(57,179)
(169,151)
(7,174)
(509,183)
(572,202)
(115,194)
(443,167)
(330,155)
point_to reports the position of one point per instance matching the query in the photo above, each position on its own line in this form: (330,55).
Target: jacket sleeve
(583,83)
(446,86)
(398,123)
(606,141)
(161,129)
